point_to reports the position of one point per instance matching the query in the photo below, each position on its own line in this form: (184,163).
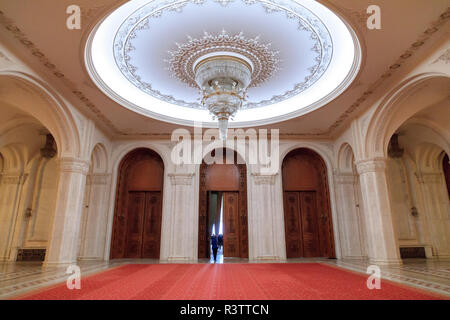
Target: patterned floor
(19,278)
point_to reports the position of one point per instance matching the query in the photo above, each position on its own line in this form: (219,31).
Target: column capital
(429,177)
(371,165)
(344,178)
(74,165)
(181,178)
(13,178)
(264,178)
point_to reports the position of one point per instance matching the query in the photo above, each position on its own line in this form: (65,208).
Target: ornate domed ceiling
(144,55)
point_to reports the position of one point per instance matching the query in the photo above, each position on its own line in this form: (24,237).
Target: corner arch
(384,122)
(53,113)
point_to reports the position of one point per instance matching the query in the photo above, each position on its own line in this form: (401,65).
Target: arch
(346,158)
(306,193)
(429,157)
(117,155)
(24,92)
(15,157)
(99,159)
(393,111)
(138,208)
(229,180)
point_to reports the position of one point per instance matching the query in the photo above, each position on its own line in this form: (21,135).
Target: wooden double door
(307,212)
(138,210)
(230,181)
(302,227)
(144,225)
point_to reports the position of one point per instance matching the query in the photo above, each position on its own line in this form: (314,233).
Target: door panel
(310,228)
(292,225)
(152,225)
(231,224)
(136,207)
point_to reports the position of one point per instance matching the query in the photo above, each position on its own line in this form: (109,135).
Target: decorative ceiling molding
(393,68)
(4,57)
(18,34)
(445,57)
(264,62)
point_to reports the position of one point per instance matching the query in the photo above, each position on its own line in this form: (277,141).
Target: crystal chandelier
(223,79)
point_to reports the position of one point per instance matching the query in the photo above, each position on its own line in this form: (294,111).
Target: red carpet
(289,281)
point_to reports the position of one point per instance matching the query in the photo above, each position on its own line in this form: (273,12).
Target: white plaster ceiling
(317,55)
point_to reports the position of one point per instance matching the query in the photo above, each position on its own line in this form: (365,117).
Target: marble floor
(21,277)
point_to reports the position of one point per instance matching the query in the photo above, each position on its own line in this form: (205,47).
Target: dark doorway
(138,211)
(446,167)
(223,187)
(307,214)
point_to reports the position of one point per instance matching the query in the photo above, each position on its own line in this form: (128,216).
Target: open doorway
(215,223)
(223,210)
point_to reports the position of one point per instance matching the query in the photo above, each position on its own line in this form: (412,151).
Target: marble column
(381,237)
(349,217)
(63,244)
(437,213)
(95,220)
(266,218)
(180,232)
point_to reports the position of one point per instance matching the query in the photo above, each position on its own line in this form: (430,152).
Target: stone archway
(231,180)
(138,210)
(308,222)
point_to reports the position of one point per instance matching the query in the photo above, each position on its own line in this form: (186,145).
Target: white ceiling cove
(315,56)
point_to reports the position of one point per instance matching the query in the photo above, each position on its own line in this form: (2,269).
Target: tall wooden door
(144,225)
(308,224)
(231,224)
(138,211)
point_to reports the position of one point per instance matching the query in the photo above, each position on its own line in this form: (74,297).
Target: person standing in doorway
(214,246)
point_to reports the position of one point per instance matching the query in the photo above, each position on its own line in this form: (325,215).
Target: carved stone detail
(371,165)
(345,178)
(264,178)
(181,178)
(13,178)
(74,165)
